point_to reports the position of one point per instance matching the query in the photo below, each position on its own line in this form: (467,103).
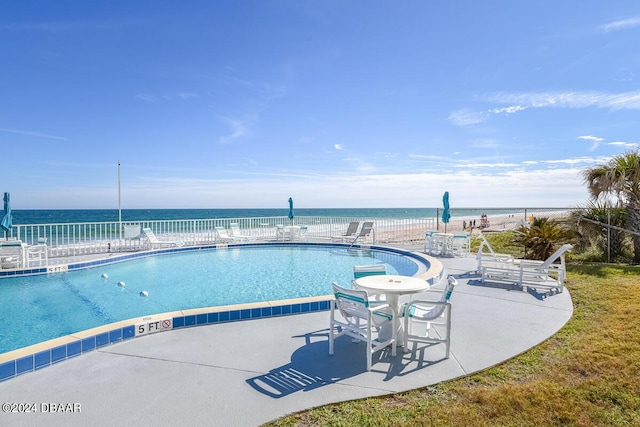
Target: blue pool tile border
(30,363)
(59,353)
(117,258)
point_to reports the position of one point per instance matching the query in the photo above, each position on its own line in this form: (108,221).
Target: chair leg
(406,333)
(394,337)
(331,338)
(369,352)
(448,336)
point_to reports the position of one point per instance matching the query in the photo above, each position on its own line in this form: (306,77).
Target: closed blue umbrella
(6,219)
(290,209)
(446,215)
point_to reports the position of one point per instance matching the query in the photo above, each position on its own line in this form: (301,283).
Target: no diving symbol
(166,324)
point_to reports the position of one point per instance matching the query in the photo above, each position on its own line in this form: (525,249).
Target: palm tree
(542,238)
(620,178)
(589,225)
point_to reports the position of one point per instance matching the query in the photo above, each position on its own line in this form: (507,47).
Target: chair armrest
(437,292)
(378,307)
(529,263)
(427,302)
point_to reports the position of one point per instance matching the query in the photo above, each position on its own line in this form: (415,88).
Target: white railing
(71,239)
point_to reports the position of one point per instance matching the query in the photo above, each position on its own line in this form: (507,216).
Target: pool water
(38,308)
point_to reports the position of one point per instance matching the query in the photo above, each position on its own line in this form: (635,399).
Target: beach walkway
(251,372)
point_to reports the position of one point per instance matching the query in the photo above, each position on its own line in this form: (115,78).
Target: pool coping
(47,353)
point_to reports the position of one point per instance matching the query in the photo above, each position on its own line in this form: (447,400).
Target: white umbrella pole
(119,205)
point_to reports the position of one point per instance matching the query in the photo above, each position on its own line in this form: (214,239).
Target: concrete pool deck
(250,372)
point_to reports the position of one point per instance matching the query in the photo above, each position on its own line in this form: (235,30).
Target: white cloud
(474,165)
(466,117)
(621,24)
(508,110)
(526,100)
(153,98)
(484,143)
(31,133)
(238,129)
(426,156)
(338,147)
(518,188)
(482,182)
(186,95)
(575,161)
(595,141)
(146,97)
(575,99)
(62,26)
(624,144)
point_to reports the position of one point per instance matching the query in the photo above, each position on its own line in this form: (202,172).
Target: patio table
(392,286)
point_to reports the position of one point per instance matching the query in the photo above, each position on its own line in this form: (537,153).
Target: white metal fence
(71,239)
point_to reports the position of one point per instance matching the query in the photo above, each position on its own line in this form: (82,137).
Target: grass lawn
(588,374)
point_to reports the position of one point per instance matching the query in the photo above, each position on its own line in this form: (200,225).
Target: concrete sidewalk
(250,372)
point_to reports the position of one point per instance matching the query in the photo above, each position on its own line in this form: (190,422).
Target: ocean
(64,216)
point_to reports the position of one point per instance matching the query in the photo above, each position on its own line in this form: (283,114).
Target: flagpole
(119,204)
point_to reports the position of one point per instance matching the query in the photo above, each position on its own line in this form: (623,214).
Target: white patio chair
(11,254)
(304,233)
(157,243)
(369,270)
(352,228)
(235,232)
(359,320)
(430,313)
(280,232)
(431,244)
(37,255)
(548,274)
(460,244)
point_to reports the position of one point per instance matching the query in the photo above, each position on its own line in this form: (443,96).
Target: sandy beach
(496,223)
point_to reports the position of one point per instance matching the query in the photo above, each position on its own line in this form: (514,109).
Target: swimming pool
(39,308)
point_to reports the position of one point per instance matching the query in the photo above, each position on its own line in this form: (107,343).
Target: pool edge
(47,353)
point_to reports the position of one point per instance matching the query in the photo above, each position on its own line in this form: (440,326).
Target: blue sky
(211,104)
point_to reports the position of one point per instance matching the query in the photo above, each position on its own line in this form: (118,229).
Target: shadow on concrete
(311,365)
(534,292)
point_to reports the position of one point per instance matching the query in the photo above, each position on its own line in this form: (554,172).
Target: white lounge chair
(365,233)
(157,243)
(432,313)
(547,275)
(490,256)
(236,233)
(359,320)
(223,236)
(352,229)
